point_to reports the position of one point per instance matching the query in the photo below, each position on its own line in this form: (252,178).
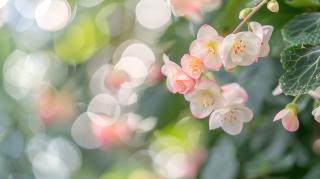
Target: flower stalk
(255,9)
(296,98)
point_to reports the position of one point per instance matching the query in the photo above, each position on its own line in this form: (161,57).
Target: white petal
(213,62)
(190,94)
(315,93)
(220,101)
(197,108)
(215,121)
(250,48)
(267,30)
(227,45)
(165,58)
(257,29)
(169,84)
(236,101)
(227,61)
(196,50)
(233,128)
(317,118)
(209,85)
(265,49)
(195,17)
(236,57)
(290,122)
(247,60)
(277,91)
(206,31)
(246,112)
(281,114)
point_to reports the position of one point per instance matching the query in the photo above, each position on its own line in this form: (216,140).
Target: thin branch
(255,9)
(295,99)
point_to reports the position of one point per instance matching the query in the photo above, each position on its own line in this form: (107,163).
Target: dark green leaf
(304,29)
(303,69)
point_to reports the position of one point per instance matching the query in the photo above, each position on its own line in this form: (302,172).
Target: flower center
(180,83)
(194,66)
(238,48)
(229,118)
(210,51)
(172,72)
(207,100)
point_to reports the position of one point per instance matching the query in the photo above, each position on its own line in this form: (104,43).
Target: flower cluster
(209,52)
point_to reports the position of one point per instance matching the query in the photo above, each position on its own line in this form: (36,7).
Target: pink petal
(290,122)
(213,62)
(196,50)
(281,114)
(206,31)
(165,58)
(196,71)
(277,91)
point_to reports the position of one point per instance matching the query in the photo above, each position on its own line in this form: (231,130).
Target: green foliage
(303,3)
(302,65)
(303,29)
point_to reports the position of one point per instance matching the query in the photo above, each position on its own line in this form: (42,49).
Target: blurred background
(83,97)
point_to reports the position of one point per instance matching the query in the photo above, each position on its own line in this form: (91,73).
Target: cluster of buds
(272,5)
(209,52)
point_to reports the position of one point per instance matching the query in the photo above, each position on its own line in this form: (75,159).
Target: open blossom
(231,118)
(264,33)
(289,117)
(207,47)
(232,91)
(169,69)
(182,83)
(191,66)
(240,49)
(316,114)
(205,98)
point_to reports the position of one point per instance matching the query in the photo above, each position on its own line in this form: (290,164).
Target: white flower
(231,91)
(316,114)
(205,98)
(231,118)
(240,49)
(264,33)
(169,69)
(207,47)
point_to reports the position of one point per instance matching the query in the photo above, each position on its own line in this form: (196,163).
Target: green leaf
(304,29)
(303,3)
(303,69)
(254,3)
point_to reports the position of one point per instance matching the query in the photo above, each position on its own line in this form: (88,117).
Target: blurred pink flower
(289,117)
(58,107)
(182,83)
(240,49)
(155,75)
(205,98)
(207,47)
(231,118)
(115,78)
(169,69)
(192,66)
(232,91)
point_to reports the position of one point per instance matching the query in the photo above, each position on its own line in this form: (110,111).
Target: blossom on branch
(231,118)
(169,69)
(264,33)
(207,47)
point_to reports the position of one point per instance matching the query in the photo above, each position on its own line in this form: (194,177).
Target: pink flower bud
(182,83)
(273,6)
(244,13)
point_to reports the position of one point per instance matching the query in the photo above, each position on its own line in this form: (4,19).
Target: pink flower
(232,91)
(316,114)
(182,83)
(231,118)
(205,98)
(207,47)
(240,49)
(169,69)
(264,33)
(289,117)
(192,66)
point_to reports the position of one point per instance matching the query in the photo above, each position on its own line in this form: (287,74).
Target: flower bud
(293,107)
(273,6)
(244,13)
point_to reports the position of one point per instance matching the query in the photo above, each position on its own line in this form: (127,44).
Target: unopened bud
(273,6)
(244,13)
(293,107)
(228,69)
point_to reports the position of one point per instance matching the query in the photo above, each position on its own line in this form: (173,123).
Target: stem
(255,9)
(249,28)
(295,99)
